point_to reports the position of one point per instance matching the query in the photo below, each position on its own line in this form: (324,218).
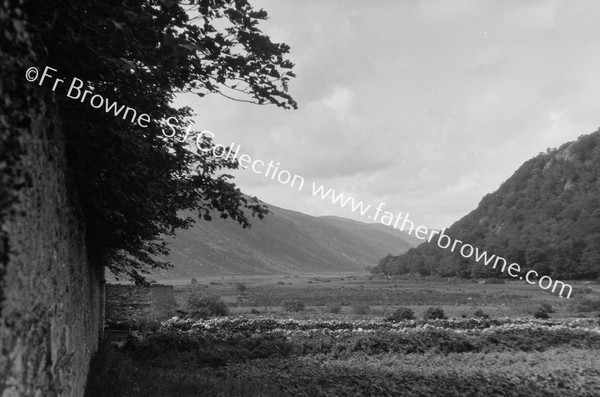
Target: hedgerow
(239,356)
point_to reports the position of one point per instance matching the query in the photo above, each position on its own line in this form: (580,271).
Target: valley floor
(341,343)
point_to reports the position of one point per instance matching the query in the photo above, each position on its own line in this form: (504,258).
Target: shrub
(547,307)
(212,305)
(480,314)
(198,314)
(360,308)
(401,314)
(194,281)
(146,325)
(280,283)
(254,311)
(334,308)
(241,287)
(434,313)
(293,306)
(541,313)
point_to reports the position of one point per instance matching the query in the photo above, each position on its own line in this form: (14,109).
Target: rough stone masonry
(50,296)
(51,314)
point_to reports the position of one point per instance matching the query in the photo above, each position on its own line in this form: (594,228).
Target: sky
(425,106)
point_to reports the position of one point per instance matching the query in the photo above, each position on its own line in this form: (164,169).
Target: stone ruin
(129,302)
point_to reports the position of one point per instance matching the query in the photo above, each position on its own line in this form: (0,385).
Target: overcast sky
(424,105)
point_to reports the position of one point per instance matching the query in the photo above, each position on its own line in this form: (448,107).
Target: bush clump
(334,308)
(293,306)
(547,307)
(434,313)
(541,313)
(401,314)
(481,314)
(206,305)
(241,287)
(198,314)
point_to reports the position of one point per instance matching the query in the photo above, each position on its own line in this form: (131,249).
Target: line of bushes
(205,349)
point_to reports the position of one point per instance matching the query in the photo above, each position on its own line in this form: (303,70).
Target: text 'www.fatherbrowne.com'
(273,170)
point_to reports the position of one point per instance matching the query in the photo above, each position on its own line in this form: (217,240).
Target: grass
(228,357)
(340,343)
(383,296)
(551,373)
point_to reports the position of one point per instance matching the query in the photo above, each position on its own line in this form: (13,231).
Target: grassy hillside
(285,242)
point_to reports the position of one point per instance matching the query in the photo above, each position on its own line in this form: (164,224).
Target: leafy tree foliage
(546,217)
(131,180)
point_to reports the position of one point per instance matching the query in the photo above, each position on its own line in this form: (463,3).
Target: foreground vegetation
(354,334)
(268,356)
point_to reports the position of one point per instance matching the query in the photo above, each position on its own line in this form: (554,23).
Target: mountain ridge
(546,217)
(284,242)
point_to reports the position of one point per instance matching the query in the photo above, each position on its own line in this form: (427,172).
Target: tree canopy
(133,181)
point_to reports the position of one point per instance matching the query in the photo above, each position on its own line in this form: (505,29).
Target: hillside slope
(546,217)
(284,242)
(345,222)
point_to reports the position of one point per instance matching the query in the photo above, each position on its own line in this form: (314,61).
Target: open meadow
(355,334)
(362,295)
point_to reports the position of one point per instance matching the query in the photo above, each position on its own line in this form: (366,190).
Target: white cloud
(534,14)
(340,100)
(424,105)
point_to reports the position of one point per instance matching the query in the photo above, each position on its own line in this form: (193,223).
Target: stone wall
(51,311)
(138,303)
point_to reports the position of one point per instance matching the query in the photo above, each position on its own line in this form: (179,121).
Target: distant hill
(546,217)
(409,238)
(284,242)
